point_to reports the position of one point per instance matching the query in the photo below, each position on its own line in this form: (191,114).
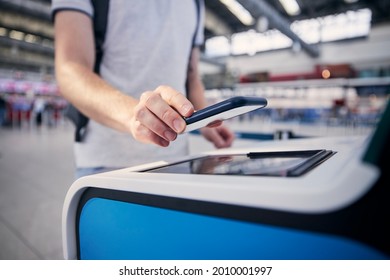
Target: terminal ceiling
(32,40)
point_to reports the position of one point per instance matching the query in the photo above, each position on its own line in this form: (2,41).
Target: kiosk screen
(281,164)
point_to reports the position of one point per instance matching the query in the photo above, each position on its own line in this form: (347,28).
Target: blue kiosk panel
(111,229)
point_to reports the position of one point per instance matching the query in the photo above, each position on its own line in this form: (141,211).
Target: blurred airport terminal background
(324,67)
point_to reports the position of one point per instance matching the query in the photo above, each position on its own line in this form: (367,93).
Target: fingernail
(169,135)
(164,143)
(178,125)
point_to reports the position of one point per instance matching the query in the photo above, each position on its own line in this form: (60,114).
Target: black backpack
(100,26)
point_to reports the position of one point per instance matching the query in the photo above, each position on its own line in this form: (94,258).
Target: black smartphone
(224,110)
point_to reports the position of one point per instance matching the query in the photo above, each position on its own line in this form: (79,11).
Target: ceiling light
(239,11)
(350,1)
(30,38)
(3,31)
(291,7)
(17,35)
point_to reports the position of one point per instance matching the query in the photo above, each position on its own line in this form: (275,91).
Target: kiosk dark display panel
(280,164)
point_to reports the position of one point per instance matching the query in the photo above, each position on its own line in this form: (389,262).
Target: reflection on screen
(241,165)
(283,164)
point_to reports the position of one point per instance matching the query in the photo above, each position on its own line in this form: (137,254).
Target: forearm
(93,96)
(74,60)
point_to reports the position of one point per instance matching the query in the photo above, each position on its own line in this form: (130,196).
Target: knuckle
(145,135)
(153,98)
(138,126)
(162,88)
(140,113)
(147,97)
(137,129)
(172,97)
(142,133)
(166,115)
(168,93)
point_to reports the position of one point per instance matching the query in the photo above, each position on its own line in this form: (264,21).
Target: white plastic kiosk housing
(313,198)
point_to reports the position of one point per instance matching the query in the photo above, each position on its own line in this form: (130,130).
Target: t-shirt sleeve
(83,6)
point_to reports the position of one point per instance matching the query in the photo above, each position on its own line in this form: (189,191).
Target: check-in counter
(309,198)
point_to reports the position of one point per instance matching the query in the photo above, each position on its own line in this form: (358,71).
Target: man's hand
(158,117)
(220,136)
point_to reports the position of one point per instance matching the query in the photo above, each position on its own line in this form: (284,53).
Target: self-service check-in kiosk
(316,198)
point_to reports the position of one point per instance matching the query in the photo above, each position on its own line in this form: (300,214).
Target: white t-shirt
(147,44)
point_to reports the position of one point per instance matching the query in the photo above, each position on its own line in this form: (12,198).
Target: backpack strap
(100,19)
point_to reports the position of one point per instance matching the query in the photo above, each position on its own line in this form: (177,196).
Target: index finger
(176,100)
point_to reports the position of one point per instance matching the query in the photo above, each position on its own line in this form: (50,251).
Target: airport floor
(36,170)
